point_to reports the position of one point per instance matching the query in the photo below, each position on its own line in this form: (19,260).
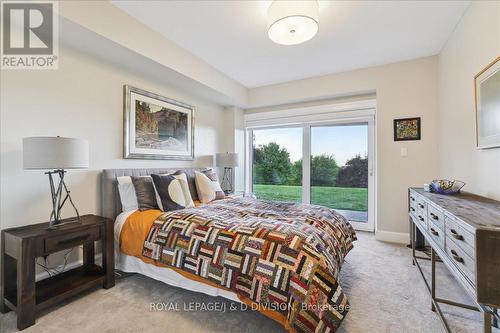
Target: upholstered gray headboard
(111,205)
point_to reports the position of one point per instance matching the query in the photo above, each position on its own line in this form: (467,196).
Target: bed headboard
(110,199)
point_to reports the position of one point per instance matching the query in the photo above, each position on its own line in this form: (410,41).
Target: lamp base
(58,201)
(64,222)
(227,180)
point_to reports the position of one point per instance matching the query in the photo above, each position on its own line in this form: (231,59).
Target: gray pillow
(145,192)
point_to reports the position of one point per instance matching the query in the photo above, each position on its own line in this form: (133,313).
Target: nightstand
(22,245)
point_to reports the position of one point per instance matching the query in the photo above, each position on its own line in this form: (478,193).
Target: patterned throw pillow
(185,187)
(208,186)
(170,192)
(145,193)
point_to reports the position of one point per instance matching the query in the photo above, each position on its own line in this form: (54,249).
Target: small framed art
(407,129)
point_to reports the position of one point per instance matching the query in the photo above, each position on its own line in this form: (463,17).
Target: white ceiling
(232,35)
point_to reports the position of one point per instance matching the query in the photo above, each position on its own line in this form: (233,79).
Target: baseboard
(392,237)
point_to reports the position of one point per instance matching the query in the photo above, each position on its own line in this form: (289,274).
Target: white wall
(236,124)
(473,45)
(132,34)
(405,89)
(83,99)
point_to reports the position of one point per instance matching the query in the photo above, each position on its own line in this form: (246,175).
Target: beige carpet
(384,289)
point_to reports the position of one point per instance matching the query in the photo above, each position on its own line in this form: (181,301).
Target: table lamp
(228,161)
(56,154)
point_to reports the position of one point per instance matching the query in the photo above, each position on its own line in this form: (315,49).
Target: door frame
(329,119)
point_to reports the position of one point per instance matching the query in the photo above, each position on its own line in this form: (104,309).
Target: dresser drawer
(435,215)
(420,225)
(458,235)
(421,219)
(71,239)
(436,234)
(413,202)
(421,205)
(462,260)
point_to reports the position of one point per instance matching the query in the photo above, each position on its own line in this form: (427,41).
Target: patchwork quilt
(282,256)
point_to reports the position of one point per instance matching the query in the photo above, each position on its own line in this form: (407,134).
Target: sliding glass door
(339,169)
(277,163)
(327,163)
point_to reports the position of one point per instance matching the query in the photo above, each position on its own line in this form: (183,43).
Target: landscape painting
(157,127)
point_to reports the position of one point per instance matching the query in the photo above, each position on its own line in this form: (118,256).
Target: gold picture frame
(487,106)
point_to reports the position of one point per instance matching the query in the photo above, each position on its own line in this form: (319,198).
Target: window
(328,163)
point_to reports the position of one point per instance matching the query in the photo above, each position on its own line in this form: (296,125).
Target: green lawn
(333,197)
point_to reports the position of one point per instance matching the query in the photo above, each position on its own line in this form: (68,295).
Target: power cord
(51,271)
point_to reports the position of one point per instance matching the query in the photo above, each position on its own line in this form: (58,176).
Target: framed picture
(407,129)
(157,127)
(487,97)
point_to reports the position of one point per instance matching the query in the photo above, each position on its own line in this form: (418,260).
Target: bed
(283,259)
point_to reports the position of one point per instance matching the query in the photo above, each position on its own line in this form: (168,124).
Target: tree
(272,164)
(296,177)
(324,170)
(145,120)
(354,173)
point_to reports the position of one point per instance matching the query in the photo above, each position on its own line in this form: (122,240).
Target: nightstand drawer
(71,239)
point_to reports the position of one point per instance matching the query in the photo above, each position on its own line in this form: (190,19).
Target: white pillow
(178,191)
(208,189)
(128,197)
(185,189)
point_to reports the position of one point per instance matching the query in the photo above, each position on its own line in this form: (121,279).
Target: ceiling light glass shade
(292,22)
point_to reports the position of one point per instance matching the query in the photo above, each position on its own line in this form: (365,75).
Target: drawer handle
(455,235)
(412,209)
(456,257)
(74,239)
(434,232)
(421,218)
(434,216)
(420,205)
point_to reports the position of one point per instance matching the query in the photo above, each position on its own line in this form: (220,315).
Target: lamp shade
(55,153)
(226,159)
(292,22)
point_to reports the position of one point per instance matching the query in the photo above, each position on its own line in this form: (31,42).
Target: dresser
(463,232)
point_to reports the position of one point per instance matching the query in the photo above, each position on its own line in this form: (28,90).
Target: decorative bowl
(446,186)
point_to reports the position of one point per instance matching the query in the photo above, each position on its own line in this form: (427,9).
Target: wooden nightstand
(20,248)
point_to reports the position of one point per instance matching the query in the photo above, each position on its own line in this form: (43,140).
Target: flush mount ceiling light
(292,22)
